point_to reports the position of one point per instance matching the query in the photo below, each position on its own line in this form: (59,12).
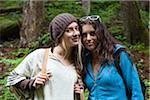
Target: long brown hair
(106,41)
(105,47)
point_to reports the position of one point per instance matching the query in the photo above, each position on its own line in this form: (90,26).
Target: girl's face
(89,37)
(71,35)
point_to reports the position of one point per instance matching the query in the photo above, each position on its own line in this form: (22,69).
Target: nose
(76,32)
(88,37)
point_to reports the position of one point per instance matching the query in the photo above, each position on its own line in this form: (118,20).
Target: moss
(6,22)
(56,8)
(10,3)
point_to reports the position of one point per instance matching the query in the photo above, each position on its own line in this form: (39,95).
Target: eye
(77,28)
(67,30)
(84,35)
(92,33)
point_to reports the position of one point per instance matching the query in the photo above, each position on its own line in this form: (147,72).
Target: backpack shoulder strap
(117,62)
(45,61)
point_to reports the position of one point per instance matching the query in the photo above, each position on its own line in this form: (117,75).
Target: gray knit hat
(59,24)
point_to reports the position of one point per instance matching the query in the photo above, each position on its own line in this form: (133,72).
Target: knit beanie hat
(59,24)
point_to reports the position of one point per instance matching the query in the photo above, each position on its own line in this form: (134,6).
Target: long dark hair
(106,41)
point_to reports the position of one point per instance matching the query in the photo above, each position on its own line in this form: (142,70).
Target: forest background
(24,28)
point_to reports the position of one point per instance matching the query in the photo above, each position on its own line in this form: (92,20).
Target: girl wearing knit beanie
(51,74)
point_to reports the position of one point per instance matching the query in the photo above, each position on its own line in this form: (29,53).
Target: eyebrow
(92,32)
(71,26)
(89,32)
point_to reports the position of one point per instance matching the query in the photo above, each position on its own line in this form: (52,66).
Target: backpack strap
(45,61)
(117,62)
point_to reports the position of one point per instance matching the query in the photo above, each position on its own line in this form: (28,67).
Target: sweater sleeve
(130,75)
(26,84)
(21,75)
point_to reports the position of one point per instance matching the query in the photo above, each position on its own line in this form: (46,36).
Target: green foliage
(10,3)
(144,17)
(117,32)
(55,8)
(147,83)
(107,10)
(7,95)
(86,93)
(21,51)
(33,45)
(12,61)
(120,37)
(140,63)
(116,29)
(44,39)
(9,20)
(138,46)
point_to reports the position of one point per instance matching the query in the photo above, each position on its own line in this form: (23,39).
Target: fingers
(78,88)
(49,75)
(41,79)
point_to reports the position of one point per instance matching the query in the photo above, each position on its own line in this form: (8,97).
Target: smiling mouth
(90,44)
(75,39)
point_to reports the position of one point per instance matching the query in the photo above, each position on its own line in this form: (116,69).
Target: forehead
(73,24)
(87,28)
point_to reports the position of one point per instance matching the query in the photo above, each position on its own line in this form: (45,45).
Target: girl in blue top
(100,74)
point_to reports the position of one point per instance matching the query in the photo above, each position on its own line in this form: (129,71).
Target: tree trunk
(32,22)
(135,30)
(86,6)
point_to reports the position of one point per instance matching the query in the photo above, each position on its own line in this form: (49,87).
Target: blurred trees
(86,6)
(135,30)
(33,14)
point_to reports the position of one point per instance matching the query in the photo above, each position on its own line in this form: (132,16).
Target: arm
(26,84)
(21,75)
(130,75)
(31,84)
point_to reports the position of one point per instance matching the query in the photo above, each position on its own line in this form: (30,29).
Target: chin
(90,48)
(74,44)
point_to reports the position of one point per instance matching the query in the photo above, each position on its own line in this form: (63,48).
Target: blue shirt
(109,85)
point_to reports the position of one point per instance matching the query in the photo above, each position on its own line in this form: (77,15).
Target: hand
(78,88)
(41,79)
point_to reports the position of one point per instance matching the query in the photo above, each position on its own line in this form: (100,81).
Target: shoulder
(36,54)
(120,51)
(119,48)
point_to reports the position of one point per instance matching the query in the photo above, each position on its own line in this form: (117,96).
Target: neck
(95,55)
(96,58)
(61,52)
